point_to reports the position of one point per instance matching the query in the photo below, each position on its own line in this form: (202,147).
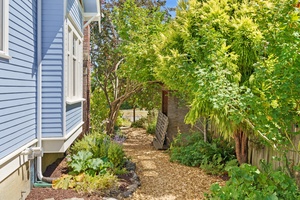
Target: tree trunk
(113,115)
(241,146)
(205,121)
(133,113)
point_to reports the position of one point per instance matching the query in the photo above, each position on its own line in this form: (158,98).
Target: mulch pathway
(160,178)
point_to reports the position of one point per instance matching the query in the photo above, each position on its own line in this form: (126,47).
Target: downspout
(39,95)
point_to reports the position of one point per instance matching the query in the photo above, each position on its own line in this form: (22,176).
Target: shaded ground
(160,179)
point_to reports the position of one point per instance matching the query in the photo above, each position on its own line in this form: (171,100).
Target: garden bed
(160,178)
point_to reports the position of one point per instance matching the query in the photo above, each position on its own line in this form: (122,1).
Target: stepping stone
(144,157)
(150,173)
(147,164)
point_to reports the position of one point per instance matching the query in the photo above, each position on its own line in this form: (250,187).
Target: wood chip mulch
(160,178)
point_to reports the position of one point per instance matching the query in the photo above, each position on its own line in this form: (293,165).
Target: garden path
(160,178)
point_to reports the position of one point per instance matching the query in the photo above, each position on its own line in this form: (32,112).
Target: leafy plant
(83,161)
(248,182)
(85,183)
(116,154)
(212,157)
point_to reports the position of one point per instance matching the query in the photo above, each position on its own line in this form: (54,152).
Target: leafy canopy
(237,62)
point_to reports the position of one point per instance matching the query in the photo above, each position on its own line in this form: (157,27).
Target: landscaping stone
(130,166)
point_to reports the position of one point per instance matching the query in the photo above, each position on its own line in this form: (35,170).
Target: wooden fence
(258,152)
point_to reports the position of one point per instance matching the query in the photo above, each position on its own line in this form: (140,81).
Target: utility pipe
(39,95)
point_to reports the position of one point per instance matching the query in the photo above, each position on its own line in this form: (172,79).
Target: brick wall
(176,113)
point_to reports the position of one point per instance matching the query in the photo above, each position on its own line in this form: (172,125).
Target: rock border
(131,188)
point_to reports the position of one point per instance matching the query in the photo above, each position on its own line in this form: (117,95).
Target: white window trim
(71,31)
(4,52)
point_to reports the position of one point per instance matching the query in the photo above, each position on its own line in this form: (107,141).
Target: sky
(171,3)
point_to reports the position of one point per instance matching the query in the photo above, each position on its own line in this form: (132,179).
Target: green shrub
(95,142)
(99,109)
(116,154)
(141,123)
(248,182)
(193,151)
(98,146)
(185,139)
(151,128)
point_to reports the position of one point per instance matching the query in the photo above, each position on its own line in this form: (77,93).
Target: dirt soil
(160,179)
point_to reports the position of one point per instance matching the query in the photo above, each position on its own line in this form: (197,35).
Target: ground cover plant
(94,161)
(213,157)
(249,182)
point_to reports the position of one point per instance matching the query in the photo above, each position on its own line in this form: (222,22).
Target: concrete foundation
(16,186)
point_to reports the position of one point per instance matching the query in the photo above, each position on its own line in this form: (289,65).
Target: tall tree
(121,53)
(228,57)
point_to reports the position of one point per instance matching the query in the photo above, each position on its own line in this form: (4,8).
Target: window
(74,66)
(4,29)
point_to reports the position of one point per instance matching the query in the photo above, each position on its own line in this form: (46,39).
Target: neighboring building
(174,110)
(41,81)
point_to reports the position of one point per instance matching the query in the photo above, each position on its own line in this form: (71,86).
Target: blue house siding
(74,111)
(52,71)
(18,79)
(74,116)
(75,11)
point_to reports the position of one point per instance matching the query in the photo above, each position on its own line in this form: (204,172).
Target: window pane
(74,45)
(69,40)
(1,24)
(74,77)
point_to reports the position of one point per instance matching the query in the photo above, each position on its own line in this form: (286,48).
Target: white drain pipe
(39,95)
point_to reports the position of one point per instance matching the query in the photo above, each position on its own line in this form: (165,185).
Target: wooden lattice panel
(161,130)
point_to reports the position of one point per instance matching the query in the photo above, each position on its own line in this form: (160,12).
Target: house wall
(74,9)
(74,116)
(18,79)
(74,111)
(53,70)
